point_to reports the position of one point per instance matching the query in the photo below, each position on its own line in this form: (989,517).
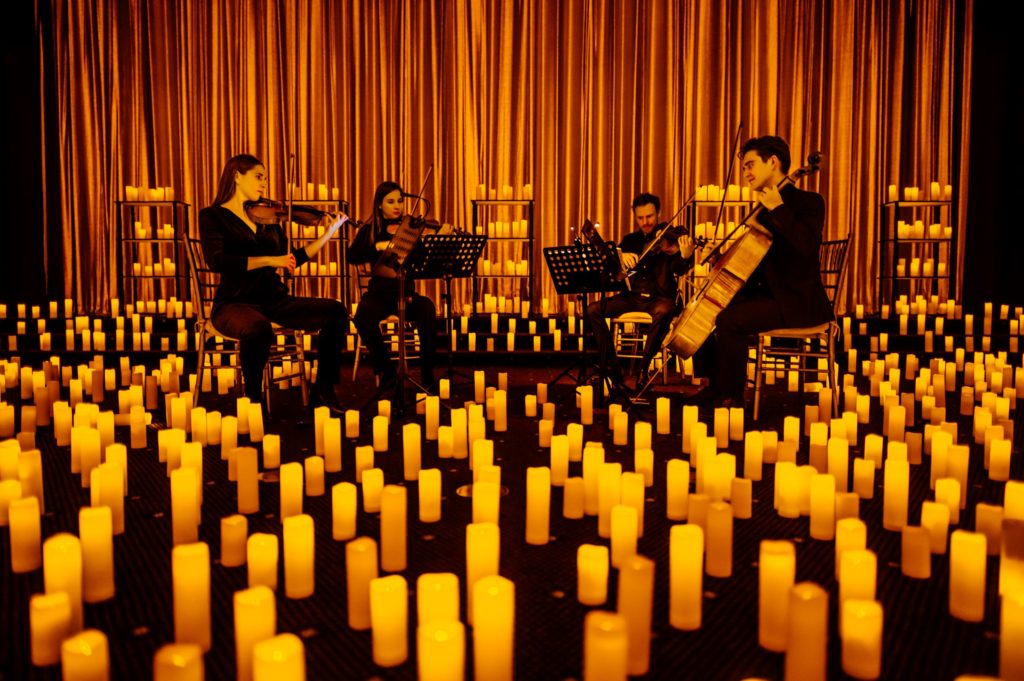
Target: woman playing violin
(381,297)
(251,296)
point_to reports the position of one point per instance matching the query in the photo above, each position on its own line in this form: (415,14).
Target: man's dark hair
(647,199)
(766,147)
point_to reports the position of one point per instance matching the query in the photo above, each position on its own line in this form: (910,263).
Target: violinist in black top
(251,295)
(785,290)
(653,286)
(381,297)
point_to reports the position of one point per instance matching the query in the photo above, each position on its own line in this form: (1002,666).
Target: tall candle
(967,566)
(247,474)
(441,650)
(95,529)
(592,574)
(332,445)
(823,507)
(190,569)
(291,486)
(806,653)
(677,482)
(1011,628)
(437,597)
(935,519)
(49,623)
(719,539)
(299,552)
(25,535)
(538,505)
(493,628)
(858,571)
(361,569)
(178,662)
(343,511)
(605,646)
(430,495)
(393,528)
(62,573)
(234,531)
(635,603)
(373,487)
(777,575)
(896,489)
(411,450)
(915,554)
(389,617)
(483,547)
(313,468)
(686,576)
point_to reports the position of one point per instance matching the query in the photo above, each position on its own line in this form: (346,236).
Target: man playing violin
(653,286)
(381,297)
(785,290)
(251,296)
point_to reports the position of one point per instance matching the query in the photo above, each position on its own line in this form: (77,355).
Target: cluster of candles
(148,193)
(916,230)
(312,191)
(936,192)
(713,192)
(162,232)
(504,193)
(515,229)
(704,490)
(165,268)
(487,268)
(920,268)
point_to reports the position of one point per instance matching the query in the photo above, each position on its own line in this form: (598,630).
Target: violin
(271,212)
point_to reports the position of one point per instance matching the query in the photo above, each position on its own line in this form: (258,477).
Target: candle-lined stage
(672,541)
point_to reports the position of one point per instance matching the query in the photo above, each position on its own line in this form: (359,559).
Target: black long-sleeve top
(228,243)
(656,274)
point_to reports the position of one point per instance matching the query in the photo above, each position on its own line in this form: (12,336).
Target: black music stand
(446,256)
(580,270)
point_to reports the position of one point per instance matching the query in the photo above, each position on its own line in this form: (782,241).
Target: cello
(730,272)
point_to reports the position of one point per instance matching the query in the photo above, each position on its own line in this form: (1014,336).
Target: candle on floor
(483,544)
(49,625)
(851,533)
(592,574)
(184,505)
(493,628)
(373,487)
(234,531)
(190,570)
(967,566)
(1011,629)
(635,604)
(361,569)
(861,634)
(430,495)
(441,650)
(178,662)
(411,440)
(916,557)
(85,656)
(686,576)
(291,486)
(538,505)
(605,646)
(279,657)
(299,552)
(393,528)
(935,518)
(389,615)
(806,653)
(437,597)
(247,474)
(677,483)
(623,534)
(823,507)
(777,575)
(26,535)
(719,539)
(858,570)
(380,433)
(895,489)
(261,559)
(95,530)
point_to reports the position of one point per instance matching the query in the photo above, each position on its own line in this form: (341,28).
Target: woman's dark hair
(383,189)
(241,164)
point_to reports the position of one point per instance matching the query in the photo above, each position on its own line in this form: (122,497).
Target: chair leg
(758,364)
(833,377)
(355,362)
(200,368)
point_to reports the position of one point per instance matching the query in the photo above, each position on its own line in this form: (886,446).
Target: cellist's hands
(770,197)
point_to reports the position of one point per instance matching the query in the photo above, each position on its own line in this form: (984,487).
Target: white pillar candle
(777,575)
(190,569)
(967,566)
(806,653)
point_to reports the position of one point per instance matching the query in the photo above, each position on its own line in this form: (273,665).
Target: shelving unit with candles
(325,276)
(151,226)
(707,200)
(917,243)
(506,267)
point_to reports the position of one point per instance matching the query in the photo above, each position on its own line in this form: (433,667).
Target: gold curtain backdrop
(590,101)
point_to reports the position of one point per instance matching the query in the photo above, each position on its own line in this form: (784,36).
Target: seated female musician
(785,290)
(381,297)
(251,295)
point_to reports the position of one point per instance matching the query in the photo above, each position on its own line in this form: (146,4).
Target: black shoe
(323,395)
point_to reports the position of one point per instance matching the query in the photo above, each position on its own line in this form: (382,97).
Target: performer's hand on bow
(770,197)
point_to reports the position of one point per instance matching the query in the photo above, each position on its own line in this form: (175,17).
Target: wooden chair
(803,345)
(388,327)
(287,351)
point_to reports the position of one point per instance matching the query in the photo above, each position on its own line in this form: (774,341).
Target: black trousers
(375,306)
(251,325)
(660,309)
(744,317)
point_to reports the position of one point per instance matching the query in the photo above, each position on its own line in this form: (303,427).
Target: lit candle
(272,451)
(26,535)
(190,569)
(777,575)
(635,603)
(851,533)
(916,557)
(351,423)
(389,617)
(248,483)
(493,628)
(441,650)
(299,552)
(437,597)
(411,450)
(392,528)
(538,505)
(261,559)
(605,646)
(586,394)
(430,495)
(361,569)
(373,487)
(380,433)
(291,486)
(806,653)
(486,502)
(861,633)
(895,489)
(483,542)
(178,662)
(623,534)
(719,539)
(279,657)
(858,569)
(967,566)
(49,624)
(677,483)
(343,511)
(609,494)
(823,507)
(184,506)
(234,531)
(85,656)
(95,530)
(935,519)
(1011,629)
(686,576)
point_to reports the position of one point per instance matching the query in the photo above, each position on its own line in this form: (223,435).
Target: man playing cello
(785,290)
